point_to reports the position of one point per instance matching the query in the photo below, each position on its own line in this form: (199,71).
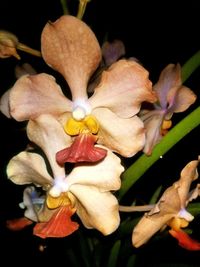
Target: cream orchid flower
(170,210)
(86,191)
(108,117)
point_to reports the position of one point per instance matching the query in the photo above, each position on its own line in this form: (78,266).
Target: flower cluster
(82,133)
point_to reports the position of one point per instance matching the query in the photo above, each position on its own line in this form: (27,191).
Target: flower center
(178,223)
(81,108)
(55,202)
(87,125)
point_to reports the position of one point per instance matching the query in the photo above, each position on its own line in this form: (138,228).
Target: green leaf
(112,261)
(190,66)
(131,261)
(155,196)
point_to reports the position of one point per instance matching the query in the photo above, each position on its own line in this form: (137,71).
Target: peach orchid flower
(108,117)
(173,97)
(170,210)
(86,190)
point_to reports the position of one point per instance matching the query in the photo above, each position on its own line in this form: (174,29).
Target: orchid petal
(30,212)
(152,123)
(96,209)
(4,104)
(82,150)
(104,174)
(123,87)
(49,135)
(188,175)
(18,224)
(34,95)
(147,227)
(181,99)
(124,136)
(170,77)
(167,208)
(70,47)
(60,224)
(112,51)
(27,168)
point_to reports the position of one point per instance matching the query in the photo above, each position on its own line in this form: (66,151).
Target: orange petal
(18,224)
(82,149)
(60,224)
(185,241)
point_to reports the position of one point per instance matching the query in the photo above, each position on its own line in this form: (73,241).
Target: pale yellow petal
(70,47)
(147,227)
(49,135)
(104,174)
(96,209)
(188,175)
(27,168)
(124,136)
(123,87)
(38,94)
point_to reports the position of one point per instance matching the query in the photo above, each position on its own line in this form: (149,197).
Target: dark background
(155,32)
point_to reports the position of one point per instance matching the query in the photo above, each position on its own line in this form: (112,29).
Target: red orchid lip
(60,224)
(82,150)
(185,241)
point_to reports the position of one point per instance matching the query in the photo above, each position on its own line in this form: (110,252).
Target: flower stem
(136,208)
(64,7)
(142,164)
(190,66)
(82,8)
(28,49)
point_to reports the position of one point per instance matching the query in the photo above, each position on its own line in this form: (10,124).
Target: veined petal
(181,99)
(124,136)
(170,77)
(49,135)
(70,47)
(123,87)
(38,94)
(82,150)
(60,224)
(104,174)
(96,209)
(27,168)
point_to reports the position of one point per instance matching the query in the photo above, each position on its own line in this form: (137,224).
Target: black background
(155,32)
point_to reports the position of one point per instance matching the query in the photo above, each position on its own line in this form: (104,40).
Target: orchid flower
(173,97)
(86,190)
(170,209)
(108,117)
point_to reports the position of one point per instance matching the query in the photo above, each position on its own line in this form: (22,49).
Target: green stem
(140,166)
(190,66)
(64,7)
(82,8)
